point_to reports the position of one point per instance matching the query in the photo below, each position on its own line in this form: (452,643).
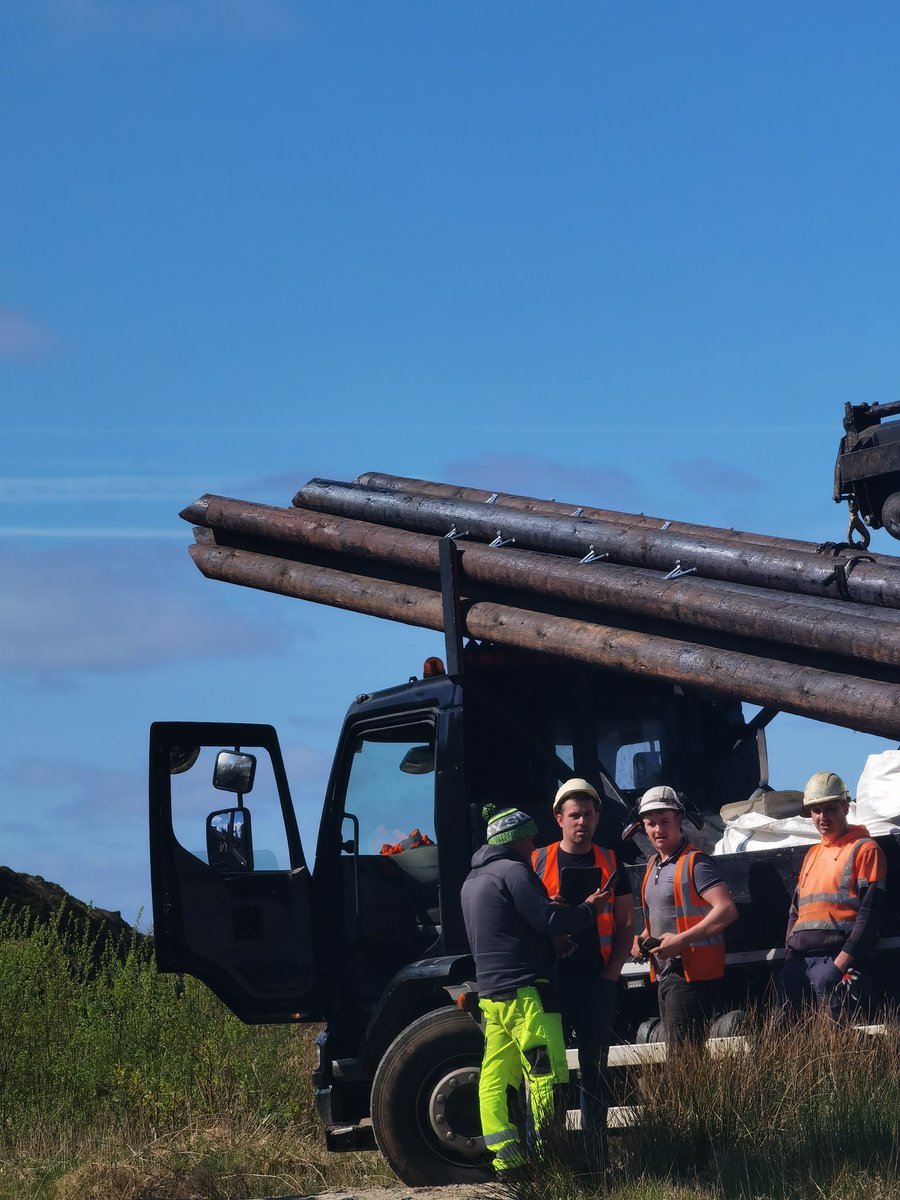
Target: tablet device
(577,883)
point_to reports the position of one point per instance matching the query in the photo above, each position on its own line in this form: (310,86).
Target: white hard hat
(575,787)
(823,787)
(660,798)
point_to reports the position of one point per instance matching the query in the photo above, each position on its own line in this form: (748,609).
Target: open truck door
(231,889)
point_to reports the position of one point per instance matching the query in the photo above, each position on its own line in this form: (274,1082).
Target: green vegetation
(804,1113)
(118,1082)
(812,1111)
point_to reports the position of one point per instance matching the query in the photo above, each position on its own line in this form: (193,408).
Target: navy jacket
(510,919)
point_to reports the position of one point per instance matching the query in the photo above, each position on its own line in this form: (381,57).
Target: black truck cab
(370,939)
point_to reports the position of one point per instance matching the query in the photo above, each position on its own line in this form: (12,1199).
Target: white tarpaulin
(756,831)
(878,793)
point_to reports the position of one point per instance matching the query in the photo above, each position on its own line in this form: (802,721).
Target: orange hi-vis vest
(702,960)
(546,865)
(830,879)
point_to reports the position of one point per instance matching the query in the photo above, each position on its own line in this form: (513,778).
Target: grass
(812,1112)
(116,1081)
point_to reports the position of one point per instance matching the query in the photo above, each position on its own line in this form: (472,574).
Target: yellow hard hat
(823,787)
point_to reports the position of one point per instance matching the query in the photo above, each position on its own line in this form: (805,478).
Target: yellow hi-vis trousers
(520,1040)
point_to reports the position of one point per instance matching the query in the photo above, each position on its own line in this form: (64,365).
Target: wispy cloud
(21,338)
(254,20)
(89,532)
(100,810)
(68,610)
(529,475)
(89,488)
(709,478)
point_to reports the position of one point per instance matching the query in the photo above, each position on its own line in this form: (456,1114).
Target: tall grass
(118,1081)
(808,1110)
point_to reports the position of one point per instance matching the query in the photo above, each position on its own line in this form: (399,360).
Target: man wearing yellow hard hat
(834,913)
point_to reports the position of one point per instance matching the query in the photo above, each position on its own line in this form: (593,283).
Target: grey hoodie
(510,920)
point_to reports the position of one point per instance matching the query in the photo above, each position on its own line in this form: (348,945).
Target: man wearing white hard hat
(588,977)
(687,908)
(833,918)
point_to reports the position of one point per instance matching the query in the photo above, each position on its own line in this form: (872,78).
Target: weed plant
(116,1081)
(806,1112)
(795,1114)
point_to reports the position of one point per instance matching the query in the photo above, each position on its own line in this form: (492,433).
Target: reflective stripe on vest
(828,895)
(546,865)
(701,960)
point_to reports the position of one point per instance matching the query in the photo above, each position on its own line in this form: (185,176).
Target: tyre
(649,1031)
(729,1024)
(425,1102)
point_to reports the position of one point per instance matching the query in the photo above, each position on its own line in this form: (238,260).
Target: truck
(632,679)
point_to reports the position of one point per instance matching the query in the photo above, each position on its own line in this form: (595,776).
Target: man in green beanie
(511,923)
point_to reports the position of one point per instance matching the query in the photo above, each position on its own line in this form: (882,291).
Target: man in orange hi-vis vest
(833,919)
(687,908)
(588,977)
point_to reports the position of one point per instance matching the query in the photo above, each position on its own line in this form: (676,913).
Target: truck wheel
(425,1102)
(729,1024)
(649,1031)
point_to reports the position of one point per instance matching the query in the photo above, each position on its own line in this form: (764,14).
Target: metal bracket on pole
(500,540)
(453,533)
(453,623)
(592,556)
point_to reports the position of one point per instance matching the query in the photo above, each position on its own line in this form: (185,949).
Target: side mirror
(229,840)
(182,758)
(418,760)
(234,772)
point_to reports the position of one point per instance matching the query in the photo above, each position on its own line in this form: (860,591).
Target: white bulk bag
(878,793)
(755,831)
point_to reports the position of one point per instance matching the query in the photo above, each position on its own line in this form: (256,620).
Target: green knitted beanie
(508,825)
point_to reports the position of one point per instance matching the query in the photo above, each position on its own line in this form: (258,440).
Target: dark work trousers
(685,1008)
(813,978)
(588,1006)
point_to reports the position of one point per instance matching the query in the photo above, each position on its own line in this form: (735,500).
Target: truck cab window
(564,744)
(635,751)
(390,790)
(195,800)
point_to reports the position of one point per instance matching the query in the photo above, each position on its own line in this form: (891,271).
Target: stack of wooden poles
(777,622)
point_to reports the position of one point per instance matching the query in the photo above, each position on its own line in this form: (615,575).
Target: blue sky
(631,255)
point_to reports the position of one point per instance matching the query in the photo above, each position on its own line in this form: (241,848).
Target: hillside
(31,894)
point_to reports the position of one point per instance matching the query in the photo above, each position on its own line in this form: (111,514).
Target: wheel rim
(453,1113)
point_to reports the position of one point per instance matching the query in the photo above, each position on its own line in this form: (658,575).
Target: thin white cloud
(100,809)
(709,478)
(174,20)
(90,488)
(22,339)
(65,611)
(601,486)
(88,532)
